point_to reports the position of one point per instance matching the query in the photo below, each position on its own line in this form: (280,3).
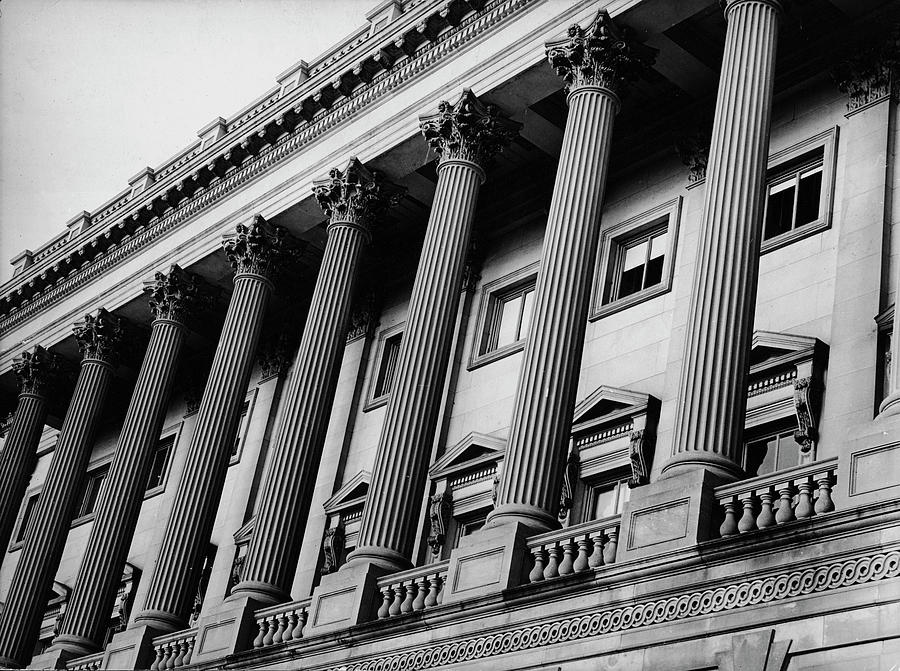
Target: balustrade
(575,549)
(173,651)
(88,663)
(769,500)
(280,624)
(412,591)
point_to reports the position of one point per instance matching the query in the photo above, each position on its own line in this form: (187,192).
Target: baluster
(301,622)
(568,562)
(387,595)
(824,504)
(291,625)
(407,605)
(730,524)
(785,512)
(581,562)
(804,509)
(156,665)
(399,594)
(281,625)
(442,580)
(170,656)
(180,647)
(596,558)
(258,641)
(611,545)
(434,584)
(537,571)
(766,517)
(190,650)
(552,569)
(748,520)
(421,592)
(270,631)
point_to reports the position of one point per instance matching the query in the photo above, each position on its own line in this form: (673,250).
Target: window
(92,489)
(504,316)
(384,367)
(636,259)
(28,509)
(771,453)
(468,525)
(242,429)
(885,324)
(159,466)
(608,498)
(799,185)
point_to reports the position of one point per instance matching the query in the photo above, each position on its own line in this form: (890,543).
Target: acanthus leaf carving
(256,248)
(356,195)
(869,74)
(174,296)
(640,451)
(439,510)
(37,370)
(101,337)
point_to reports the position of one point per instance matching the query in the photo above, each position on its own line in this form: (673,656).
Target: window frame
(374,400)
(19,528)
(770,429)
(793,160)
(173,432)
(90,475)
(241,437)
(493,295)
(614,240)
(618,478)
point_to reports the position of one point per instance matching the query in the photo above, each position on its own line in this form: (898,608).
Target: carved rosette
(439,509)
(356,195)
(256,248)
(469,130)
(100,337)
(174,295)
(36,370)
(602,54)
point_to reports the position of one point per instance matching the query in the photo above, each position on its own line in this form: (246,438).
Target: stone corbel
(567,493)
(332,549)
(806,433)
(640,451)
(439,510)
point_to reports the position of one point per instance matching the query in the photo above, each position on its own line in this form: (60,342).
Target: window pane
(624,496)
(658,245)
(605,501)
(160,463)
(809,196)
(788,451)
(509,321)
(632,278)
(26,517)
(242,423)
(760,456)
(388,365)
(780,210)
(527,309)
(634,256)
(92,492)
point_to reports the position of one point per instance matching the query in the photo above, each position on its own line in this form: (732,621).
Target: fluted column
(465,136)
(354,200)
(36,371)
(596,63)
(254,251)
(172,297)
(713,385)
(99,338)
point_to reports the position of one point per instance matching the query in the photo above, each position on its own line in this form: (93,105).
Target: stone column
(713,389)
(596,63)
(36,370)
(254,251)
(99,338)
(354,200)
(172,298)
(465,136)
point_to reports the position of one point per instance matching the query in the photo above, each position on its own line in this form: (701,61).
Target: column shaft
(545,397)
(117,512)
(388,528)
(713,390)
(291,474)
(49,527)
(190,523)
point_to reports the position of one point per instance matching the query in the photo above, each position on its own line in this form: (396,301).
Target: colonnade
(597,63)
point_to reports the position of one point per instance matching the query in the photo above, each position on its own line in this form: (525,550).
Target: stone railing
(173,650)
(280,624)
(412,591)
(574,549)
(770,500)
(88,663)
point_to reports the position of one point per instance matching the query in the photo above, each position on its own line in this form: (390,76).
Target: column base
(532,517)
(261,592)
(671,514)
(389,560)
(890,406)
(228,629)
(345,598)
(71,646)
(487,562)
(130,649)
(684,462)
(160,621)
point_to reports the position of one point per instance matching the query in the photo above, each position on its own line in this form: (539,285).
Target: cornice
(198,179)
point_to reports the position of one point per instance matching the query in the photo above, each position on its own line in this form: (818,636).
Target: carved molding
(640,452)
(100,337)
(869,75)
(440,508)
(468,130)
(356,195)
(768,589)
(603,54)
(175,295)
(256,248)
(332,549)
(37,370)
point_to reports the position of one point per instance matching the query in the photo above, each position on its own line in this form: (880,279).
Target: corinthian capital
(602,54)
(100,337)
(869,73)
(174,295)
(356,194)
(469,130)
(256,248)
(37,370)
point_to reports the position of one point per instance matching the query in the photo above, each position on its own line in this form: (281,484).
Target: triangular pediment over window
(473,450)
(770,347)
(352,493)
(607,405)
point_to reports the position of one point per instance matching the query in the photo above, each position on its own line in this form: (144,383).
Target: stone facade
(472,368)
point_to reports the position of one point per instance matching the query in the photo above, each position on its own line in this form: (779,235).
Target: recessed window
(505,314)
(608,498)
(27,512)
(159,466)
(92,490)
(799,185)
(636,259)
(771,453)
(468,525)
(384,368)
(242,429)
